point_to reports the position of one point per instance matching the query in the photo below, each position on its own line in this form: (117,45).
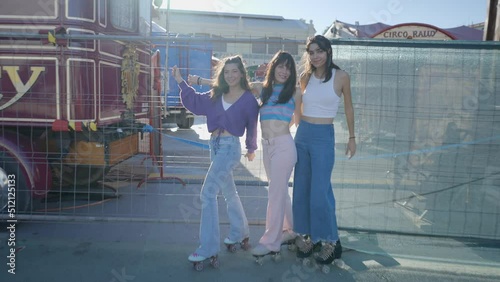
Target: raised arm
(198,80)
(256,88)
(197,103)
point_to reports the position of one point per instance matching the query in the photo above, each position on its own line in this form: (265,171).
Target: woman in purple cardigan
(230,108)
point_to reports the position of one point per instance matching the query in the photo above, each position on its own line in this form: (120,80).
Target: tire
(10,172)
(76,175)
(185,123)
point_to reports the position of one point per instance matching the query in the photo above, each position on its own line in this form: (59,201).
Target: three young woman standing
(313,106)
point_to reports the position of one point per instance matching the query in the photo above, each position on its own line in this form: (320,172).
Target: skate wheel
(245,245)
(306,262)
(198,266)
(325,269)
(231,248)
(292,247)
(214,262)
(259,261)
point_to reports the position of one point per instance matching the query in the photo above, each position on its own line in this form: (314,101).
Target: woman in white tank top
(323,84)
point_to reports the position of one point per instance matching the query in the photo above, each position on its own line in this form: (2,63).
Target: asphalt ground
(137,227)
(146,234)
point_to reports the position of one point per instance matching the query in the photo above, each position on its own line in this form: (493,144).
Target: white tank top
(319,98)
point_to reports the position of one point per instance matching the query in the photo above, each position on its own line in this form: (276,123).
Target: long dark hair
(286,94)
(220,86)
(325,45)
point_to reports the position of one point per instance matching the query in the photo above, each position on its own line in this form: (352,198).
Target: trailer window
(15,9)
(102,12)
(124,14)
(144,17)
(78,10)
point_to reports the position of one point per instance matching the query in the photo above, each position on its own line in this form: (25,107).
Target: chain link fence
(427,124)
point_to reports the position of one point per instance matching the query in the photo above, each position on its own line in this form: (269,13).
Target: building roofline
(228,15)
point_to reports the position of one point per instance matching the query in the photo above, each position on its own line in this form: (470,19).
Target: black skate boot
(317,248)
(326,255)
(304,246)
(330,253)
(337,251)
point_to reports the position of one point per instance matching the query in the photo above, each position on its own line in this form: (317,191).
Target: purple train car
(69,107)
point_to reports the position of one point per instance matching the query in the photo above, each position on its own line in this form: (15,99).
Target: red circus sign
(414,31)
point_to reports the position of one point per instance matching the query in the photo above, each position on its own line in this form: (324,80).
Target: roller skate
(304,250)
(330,253)
(261,251)
(288,238)
(231,245)
(337,254)
(198,261)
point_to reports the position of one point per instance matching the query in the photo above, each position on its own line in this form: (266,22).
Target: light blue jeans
(313,200)
(225,154)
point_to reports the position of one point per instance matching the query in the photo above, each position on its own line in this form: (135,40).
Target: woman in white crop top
(323,84)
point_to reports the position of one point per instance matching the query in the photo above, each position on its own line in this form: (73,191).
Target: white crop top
(319,98)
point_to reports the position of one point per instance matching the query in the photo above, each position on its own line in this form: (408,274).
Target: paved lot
(145,232)
(146,235)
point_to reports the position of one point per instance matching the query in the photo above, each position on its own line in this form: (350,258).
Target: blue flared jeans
(313,200)
(225,154)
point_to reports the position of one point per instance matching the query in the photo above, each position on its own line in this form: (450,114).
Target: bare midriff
(317,120)
(222,133)
(274,128)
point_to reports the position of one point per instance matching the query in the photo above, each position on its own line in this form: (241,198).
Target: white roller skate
(261,251)
(198,261)
(231,245)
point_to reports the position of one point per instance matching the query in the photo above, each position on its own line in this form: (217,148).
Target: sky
(440,13)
